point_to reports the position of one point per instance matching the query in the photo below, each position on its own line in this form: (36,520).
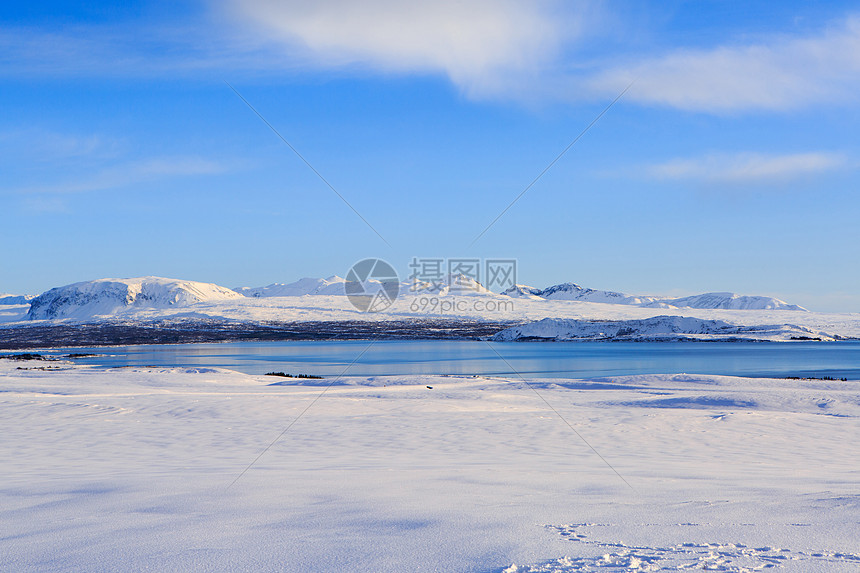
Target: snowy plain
(136,469)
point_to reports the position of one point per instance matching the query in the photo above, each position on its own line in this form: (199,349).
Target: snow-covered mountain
(333,285)
(727,300)
(108,296)
(711,300)
(15,299)
(655,328)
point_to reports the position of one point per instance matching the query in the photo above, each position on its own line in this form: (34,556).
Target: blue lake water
(533,359)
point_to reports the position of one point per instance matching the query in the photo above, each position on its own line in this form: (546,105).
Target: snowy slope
(655,328)
(107,296)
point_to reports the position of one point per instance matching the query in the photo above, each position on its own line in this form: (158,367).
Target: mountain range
(105,297)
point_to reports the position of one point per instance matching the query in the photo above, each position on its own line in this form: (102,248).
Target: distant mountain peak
(12,299)
(332,285)
(522,291)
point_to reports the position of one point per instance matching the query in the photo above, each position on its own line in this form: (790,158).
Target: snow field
(130,469)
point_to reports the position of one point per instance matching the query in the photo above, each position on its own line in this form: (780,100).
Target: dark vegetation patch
(25,356)
(285,375)
(202,330)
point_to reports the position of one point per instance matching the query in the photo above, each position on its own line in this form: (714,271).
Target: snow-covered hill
(655,328)
(101,297)
(711,300)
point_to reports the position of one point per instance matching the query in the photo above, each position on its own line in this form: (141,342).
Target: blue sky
(731,164)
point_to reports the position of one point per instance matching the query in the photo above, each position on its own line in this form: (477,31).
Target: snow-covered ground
(131,469)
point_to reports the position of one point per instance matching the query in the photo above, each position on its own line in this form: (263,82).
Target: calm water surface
(534,359)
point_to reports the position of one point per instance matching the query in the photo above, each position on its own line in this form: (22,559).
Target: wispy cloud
(778,74)
(130,173)
(748,167)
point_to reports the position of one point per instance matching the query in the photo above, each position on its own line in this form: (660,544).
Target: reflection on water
(534,359)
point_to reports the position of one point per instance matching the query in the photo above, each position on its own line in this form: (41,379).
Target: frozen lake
(532,359)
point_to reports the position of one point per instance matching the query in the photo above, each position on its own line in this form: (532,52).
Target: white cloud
(781,74)
(472,42)
(748,167)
